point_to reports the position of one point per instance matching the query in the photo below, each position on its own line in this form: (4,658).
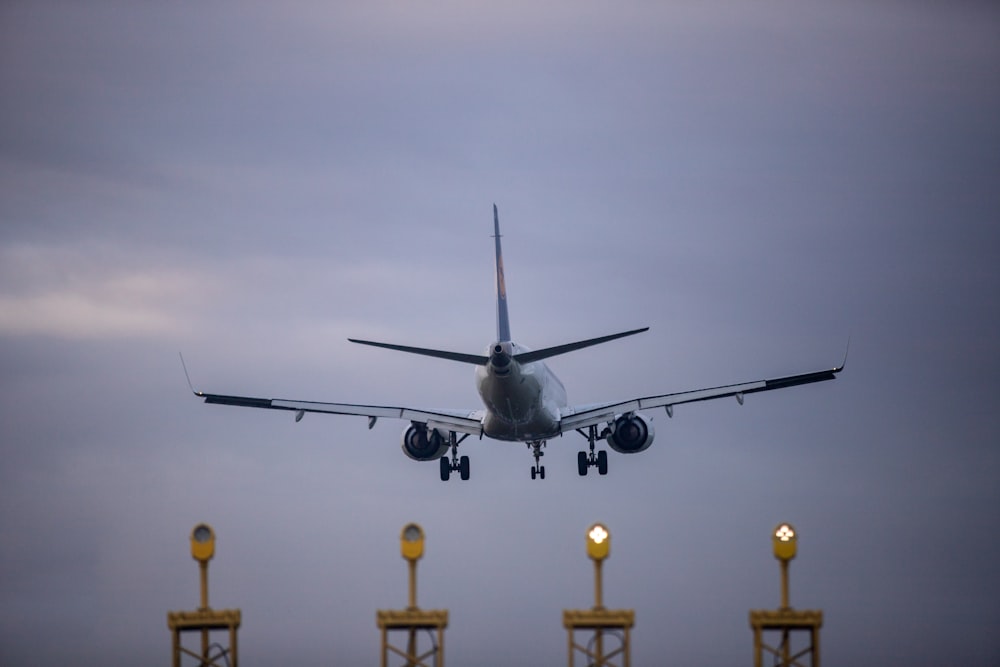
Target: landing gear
(537,470)
(454,463)
(461,466)
(585,460)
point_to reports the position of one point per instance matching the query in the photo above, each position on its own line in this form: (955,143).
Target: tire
(445,468)
(541,472)
(533,472)
(602,462)
(463,467)
(582,464)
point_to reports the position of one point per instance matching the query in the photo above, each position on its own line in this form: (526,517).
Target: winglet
(844,362)
(190,386)
(503,322)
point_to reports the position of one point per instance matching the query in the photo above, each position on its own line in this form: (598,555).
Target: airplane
(523,401)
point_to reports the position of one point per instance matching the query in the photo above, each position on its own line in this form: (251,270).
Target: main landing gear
(536,447)
(585,460)
(454,463)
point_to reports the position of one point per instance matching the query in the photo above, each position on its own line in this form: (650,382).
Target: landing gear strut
(585,460)
(455,463)
(537,470)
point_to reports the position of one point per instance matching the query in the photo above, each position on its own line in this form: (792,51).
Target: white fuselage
(523,401)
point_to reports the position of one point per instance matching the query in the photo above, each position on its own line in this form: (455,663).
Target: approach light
(202,543)
(411,542)
(785,542)
(598,542)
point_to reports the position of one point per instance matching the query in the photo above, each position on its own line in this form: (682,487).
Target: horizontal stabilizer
(538,355)
(476,359)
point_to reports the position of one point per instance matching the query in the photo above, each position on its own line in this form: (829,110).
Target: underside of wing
(589,415)
(460,421)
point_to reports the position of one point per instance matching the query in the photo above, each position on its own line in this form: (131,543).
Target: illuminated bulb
(784,533)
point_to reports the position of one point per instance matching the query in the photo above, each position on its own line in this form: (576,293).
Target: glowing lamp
(598,542)
(785,541)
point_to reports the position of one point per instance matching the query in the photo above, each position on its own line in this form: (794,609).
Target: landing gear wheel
(541,472)
(602,462)
(582,463)
(445,468)
(463,468)
(534,472)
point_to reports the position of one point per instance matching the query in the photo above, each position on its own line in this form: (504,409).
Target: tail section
(503,327)
(503,322)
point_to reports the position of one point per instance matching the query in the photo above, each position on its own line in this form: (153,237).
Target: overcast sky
(250,185)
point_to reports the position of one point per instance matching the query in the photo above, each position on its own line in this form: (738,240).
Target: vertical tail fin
(503,323)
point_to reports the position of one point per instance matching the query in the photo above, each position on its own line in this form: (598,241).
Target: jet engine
(630,433)
(424,444)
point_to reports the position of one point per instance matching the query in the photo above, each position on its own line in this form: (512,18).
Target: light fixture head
(598,542)
(411,542)
(202,543)
(785,541)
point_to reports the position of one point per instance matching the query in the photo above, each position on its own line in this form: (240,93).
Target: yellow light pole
(785,620)
(204,620)
(785,544)
(598,619)
(412,619)
(598,548)
(202,550)
(411,544)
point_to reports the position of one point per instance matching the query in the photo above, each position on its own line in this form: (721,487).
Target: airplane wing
(590,415)
(453,420)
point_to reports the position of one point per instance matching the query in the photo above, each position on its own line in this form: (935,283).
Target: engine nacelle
(630,433)
(424,444)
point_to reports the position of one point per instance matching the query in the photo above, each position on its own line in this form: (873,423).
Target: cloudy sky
(249,185)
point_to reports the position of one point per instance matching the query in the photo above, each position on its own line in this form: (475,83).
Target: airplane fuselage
(522,401)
